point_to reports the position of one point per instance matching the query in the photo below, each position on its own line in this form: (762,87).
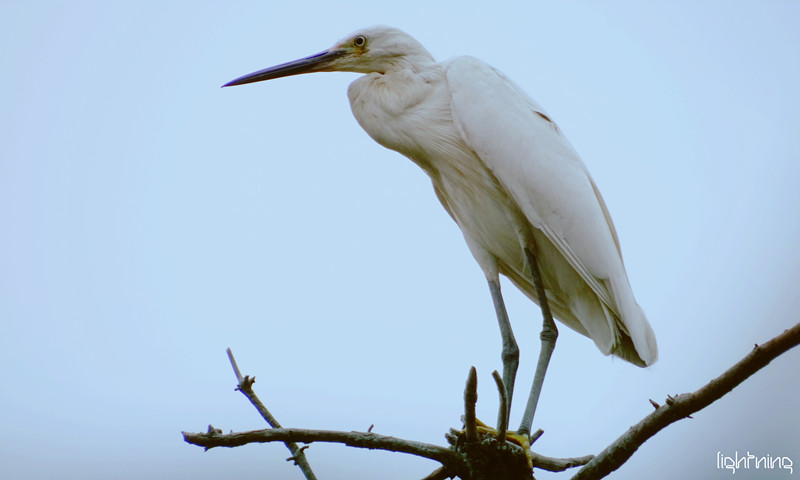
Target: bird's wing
(535,163)
(530,157)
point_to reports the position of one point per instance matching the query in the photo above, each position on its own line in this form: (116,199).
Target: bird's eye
(359,40)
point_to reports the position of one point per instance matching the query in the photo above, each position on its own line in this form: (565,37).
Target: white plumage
(503,171)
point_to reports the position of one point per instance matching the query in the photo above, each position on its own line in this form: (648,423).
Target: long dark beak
(314,63)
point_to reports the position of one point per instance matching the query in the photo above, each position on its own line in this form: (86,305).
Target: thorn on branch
(294,458)
(654,404)
(246,384)
(370,428)
(452,436)
(535,436)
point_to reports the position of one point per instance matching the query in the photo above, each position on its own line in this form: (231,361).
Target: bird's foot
(523,440)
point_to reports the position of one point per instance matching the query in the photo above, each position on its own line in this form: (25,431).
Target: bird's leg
(548,336)
(510,353)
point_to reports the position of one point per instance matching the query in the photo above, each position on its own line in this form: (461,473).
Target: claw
(519,439)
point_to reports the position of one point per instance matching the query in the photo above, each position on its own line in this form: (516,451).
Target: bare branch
(470,399)
(440,473)
(682,406)
(475,454)
(502,420)
(236,370)
(552,464)
(245,385)
(443,455)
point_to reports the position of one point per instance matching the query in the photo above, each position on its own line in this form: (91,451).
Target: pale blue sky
(150,219)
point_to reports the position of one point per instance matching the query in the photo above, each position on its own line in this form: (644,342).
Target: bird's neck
(406,111)
(382,102)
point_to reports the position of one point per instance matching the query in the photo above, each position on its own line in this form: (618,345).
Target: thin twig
(682,406)
(443,455)
(245,385)
(470,399)
(440,473)
(502,417)
(239,378)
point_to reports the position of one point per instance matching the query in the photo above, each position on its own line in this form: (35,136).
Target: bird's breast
(413,116)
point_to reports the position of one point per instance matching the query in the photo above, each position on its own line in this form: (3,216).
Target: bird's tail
(637,343)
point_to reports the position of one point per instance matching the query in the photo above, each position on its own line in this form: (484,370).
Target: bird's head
(370,50)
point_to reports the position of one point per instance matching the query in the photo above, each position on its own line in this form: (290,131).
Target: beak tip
(313,63)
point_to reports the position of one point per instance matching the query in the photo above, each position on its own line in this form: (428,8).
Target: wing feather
(535,163)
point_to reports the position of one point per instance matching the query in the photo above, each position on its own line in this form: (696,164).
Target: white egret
(503,170)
